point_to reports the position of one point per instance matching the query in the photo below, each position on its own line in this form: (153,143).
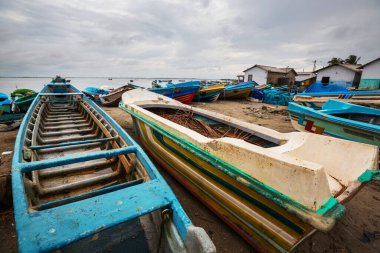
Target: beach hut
(370,75)
(262,74)
(346,75)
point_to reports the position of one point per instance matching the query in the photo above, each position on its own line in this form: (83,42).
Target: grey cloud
(209,38)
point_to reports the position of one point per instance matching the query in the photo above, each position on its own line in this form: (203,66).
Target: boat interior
(366,118)
(63,125)
(211,128)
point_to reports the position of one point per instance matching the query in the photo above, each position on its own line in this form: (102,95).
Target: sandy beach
(358,231)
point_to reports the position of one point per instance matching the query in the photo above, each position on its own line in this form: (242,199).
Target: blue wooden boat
(94,93)
(209,93)
(338,119)
(183,92)
(9,119)
(81,183)
(241,90)
(5,104)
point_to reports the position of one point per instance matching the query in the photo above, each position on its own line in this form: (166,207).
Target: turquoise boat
(238,91)
(338,119)
(82,184)
(95,93)
(5,104)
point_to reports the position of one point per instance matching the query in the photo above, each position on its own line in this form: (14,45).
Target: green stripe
(260,205)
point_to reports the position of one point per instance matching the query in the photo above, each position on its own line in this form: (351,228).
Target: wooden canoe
(272,188)
(209,93)
(237,91)
(114,96)
(82,184)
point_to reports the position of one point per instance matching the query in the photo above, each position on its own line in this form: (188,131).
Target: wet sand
(358,231)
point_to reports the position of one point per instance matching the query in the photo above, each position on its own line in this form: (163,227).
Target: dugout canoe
(238,91)
(209,93)
(338,119)
(114,96)
(270,187)
(82,184)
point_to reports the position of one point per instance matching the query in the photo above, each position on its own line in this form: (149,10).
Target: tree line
(351,59)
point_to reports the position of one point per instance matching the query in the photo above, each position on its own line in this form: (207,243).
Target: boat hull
(251,215)
(24,103)
(306,120)
(184,95)
(114,96)
(236,93)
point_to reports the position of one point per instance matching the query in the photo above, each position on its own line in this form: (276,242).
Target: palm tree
(335,60)
(352,59)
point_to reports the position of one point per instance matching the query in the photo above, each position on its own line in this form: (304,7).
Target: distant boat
(58,79)
(338,119)
(82,184)
(110,79)
(209,93)
(183,92)
(241,90)
(275,189)
(114,96)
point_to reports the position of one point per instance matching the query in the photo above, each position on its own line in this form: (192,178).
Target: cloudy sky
(181,38)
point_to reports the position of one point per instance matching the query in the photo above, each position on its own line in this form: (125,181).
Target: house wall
(258,75)
(301,77)
(371,76)
(273,77)
(337,74)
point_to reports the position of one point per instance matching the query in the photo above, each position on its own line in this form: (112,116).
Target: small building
(270,75)
(305,78)
(346,75)
(370,75)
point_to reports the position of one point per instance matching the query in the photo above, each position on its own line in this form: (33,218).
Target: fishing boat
(81,184)
(317,99)
(114,96)
(270,187)
(94,93)
(183,92)
(23,98)
(5,104)
(9,119)
(209,93)
(241,90)
(338,119)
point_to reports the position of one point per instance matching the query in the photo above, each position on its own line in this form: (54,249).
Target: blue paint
(176,90)
(53,227)
(239,86)
(73,143)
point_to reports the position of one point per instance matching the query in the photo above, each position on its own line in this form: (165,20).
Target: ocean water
(8,85)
